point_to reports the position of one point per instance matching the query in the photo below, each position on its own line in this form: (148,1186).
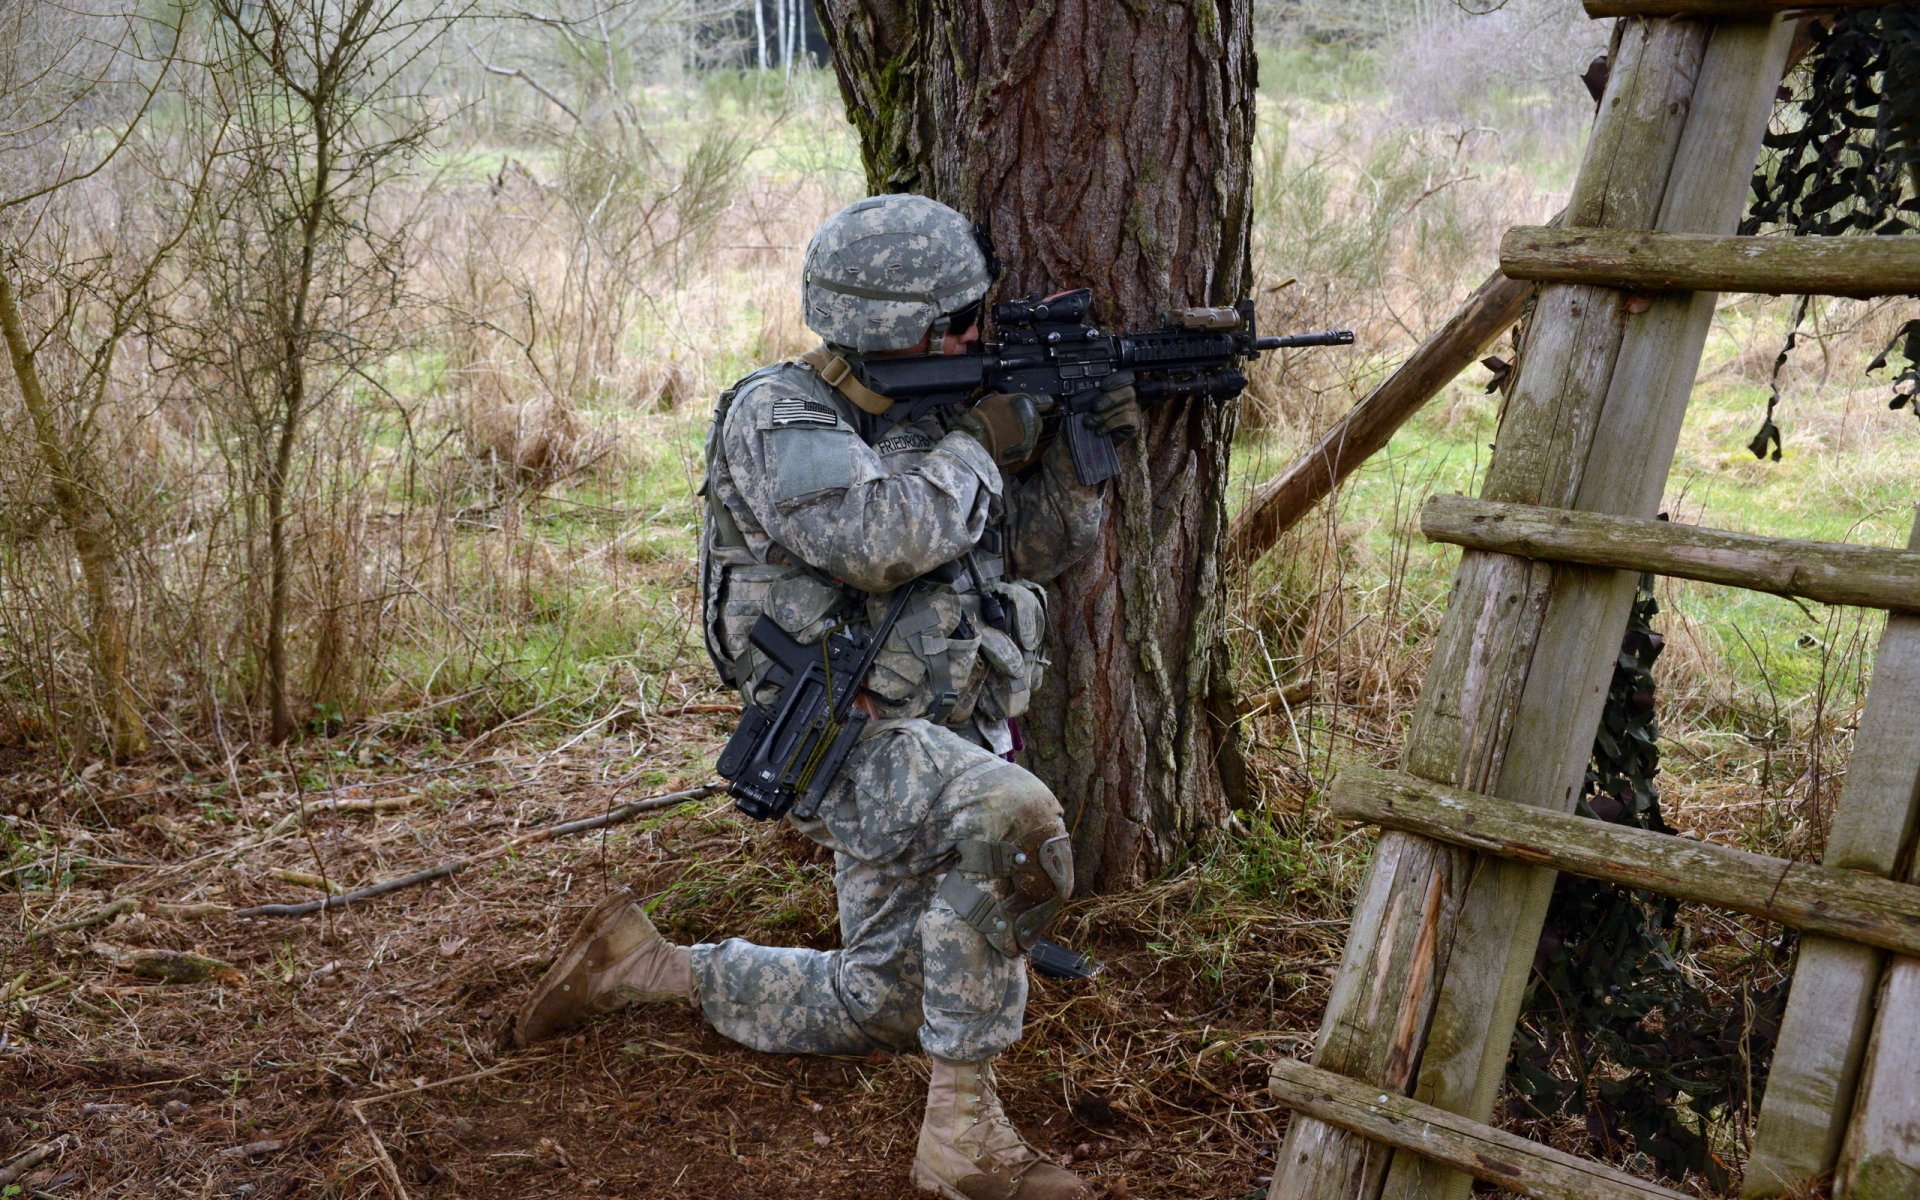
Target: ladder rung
(1845,904)
(1829,572)
(1696,262)
(1735,10)
(1507,1161)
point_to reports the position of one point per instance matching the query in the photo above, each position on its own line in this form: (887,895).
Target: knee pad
(1039,871)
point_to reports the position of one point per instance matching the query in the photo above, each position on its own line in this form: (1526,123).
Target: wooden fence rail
(1530,1169)
(1847,904)
(1690,262)
(1831,573)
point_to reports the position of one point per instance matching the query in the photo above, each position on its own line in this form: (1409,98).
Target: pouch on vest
(721,546)
(798,600)
(1016,655)
(925,668)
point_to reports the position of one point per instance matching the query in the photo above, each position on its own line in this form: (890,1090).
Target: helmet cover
(884,269)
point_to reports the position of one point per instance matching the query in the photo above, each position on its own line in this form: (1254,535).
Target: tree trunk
(1103,146)
(295,342)
(92,543)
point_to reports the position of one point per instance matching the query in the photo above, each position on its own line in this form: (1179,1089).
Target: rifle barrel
(1333,337)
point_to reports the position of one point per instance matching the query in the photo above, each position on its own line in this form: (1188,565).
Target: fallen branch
(618,816)
(169,966)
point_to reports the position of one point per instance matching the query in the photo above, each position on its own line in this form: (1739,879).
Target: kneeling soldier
(950,859)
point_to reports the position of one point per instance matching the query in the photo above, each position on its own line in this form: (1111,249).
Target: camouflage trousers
(908,966)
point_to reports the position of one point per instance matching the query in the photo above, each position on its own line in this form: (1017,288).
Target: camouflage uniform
(829,511)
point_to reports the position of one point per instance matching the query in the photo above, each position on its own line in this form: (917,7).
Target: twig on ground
(469,1077)
(306,879)
(624,813)
(125,904)
(380,1152)
(32,1158)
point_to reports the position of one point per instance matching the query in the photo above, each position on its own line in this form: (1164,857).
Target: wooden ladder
(1413,1047)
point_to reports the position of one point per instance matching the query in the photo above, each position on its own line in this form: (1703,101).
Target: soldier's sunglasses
(963,318)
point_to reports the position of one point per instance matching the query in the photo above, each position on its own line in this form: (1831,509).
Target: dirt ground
(360,1053)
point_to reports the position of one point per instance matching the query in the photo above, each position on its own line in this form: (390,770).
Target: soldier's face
(961,343)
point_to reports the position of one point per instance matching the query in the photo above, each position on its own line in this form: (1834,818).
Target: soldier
(949,858)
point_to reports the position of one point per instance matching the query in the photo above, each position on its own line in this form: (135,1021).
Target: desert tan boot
(970,1151)
(614,959)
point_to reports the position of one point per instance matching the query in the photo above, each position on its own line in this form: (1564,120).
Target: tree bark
(1103,146)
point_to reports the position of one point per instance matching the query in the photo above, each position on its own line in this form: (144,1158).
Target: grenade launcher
(1046,348)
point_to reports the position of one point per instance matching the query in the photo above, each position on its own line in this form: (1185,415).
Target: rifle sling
(838,374)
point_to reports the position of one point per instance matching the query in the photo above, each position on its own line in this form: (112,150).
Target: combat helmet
(883,269)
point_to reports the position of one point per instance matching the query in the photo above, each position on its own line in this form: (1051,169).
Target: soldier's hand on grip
(1116,414)
(1006,423)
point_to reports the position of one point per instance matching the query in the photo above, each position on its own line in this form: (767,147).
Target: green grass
(1325,75)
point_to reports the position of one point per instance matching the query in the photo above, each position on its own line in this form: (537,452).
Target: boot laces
(995,1144)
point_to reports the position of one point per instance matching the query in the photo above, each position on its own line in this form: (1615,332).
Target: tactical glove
(1006,423)
(1116,413)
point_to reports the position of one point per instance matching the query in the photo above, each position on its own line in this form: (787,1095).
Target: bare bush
(1511,68)
(81,255)
(298,269)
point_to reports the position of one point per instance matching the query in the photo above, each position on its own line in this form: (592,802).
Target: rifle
(785,756)
(1047,348)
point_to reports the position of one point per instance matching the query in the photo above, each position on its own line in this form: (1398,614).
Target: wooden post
(1406,919)
(1831,573)
(1882,1156)
(1528,734)
(1366,429)
(1877,816)
(1665,262)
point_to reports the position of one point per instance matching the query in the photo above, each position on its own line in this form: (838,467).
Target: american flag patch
(799,411)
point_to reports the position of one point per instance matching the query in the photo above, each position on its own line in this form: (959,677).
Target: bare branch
(521,74)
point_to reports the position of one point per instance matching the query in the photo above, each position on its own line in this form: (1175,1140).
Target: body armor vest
(969,646)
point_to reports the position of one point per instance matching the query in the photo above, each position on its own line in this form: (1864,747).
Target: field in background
(495,628)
